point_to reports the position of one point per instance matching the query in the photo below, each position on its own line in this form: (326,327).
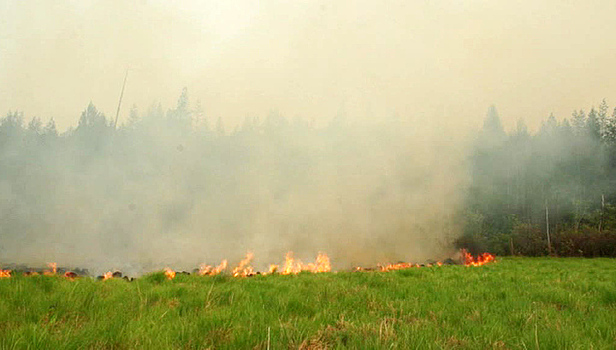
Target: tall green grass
(515,303)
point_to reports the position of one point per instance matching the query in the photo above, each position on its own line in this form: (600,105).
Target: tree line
(549,192)
(171,184)
(172,172)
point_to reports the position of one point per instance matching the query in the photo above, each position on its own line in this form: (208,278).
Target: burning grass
(291,266)
(515,304)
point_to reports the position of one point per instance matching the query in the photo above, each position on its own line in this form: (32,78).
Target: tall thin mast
(115,124)
(547,226)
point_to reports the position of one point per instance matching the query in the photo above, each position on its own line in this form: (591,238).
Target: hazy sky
(310,58)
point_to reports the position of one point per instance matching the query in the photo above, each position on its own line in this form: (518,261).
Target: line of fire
(291,266)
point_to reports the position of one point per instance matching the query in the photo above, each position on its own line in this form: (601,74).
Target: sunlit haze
(418,59)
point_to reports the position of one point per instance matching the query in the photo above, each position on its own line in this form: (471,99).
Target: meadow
(513,303)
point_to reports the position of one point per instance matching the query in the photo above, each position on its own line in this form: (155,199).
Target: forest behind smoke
(549,192)
(172,188)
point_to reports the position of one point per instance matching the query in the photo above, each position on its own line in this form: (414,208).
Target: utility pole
(547,226)
(602,210)
(115,124)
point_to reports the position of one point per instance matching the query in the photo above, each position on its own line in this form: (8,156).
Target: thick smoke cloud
(363,156)
(163,192)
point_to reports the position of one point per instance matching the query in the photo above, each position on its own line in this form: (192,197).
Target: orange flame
(398,266)
(290,265)
(467,259)
(244,269)
(212,270)
(482,259)
(293,266)
(323,264)
(169,273)
(53,267)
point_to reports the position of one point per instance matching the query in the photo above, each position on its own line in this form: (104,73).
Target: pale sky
(446,60)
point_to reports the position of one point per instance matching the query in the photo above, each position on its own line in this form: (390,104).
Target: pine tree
(35,125)
(183,101)
(602,117)
(566,130)
(610,126)
(492,124)
(50,128)
(578,121)
(133,116)
(12,120)
(593,128)
(181,113)
(91,118)
(200,122)
(493,133)
(550,127)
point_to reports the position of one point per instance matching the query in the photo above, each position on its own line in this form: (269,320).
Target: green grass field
(515,303)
